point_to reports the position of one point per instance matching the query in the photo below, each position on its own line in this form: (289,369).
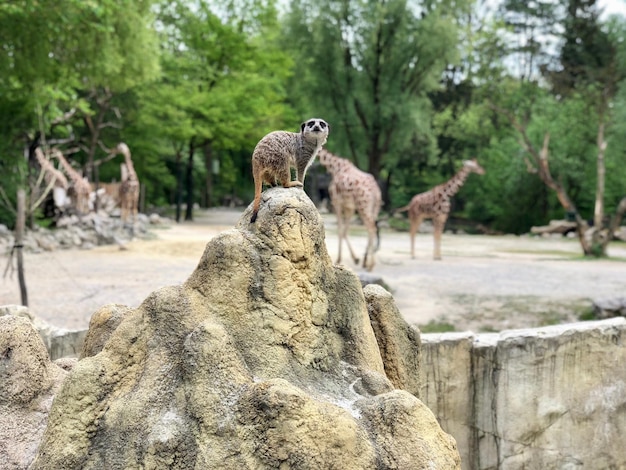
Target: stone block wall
(549,398)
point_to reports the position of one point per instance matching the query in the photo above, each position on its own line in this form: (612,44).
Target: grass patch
(435,326)
(492,314)
(399,224)
(587,314)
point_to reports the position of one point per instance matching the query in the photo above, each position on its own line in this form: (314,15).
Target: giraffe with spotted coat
(79,189)
(435,205)
(352,190)
(55,179)
(129,187)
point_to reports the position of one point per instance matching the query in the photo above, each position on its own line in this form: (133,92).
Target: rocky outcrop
(84,233)
(263,358)
(398,342)
(28,382)
(609,307)
(101,326)
(58,341)
(548,398)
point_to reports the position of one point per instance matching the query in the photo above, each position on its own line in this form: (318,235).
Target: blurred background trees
(410,88)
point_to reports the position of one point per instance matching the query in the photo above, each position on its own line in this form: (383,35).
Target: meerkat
(278,151)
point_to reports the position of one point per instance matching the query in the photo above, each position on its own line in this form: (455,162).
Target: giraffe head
(122,148)
(473,166)
(315,130)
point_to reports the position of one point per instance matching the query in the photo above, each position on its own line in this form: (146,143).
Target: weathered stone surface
(263,358)
(28,381)
(548,398)
(58,341)
(609,307)
(101,326)
(448,388)
(398,342)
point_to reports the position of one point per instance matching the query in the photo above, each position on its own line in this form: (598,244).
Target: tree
(369,66)
(52,59)
(222,85)
(586,83)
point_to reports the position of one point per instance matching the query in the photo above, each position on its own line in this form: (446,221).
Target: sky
(613,6)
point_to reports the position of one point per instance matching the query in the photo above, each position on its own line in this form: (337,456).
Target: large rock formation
(28,382)
(263,358)
(549,398)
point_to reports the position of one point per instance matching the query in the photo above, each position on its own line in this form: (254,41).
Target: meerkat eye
(322,124)
(310,124)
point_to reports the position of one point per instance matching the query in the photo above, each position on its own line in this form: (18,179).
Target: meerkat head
(315,129)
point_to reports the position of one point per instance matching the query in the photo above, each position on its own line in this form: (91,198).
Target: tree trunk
(179,185)
(142,198)
(96,183)
(189,211)
(598,214)
(208,164)
(19,240)
(613,226)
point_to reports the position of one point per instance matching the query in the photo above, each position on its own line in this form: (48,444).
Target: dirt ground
(483,283)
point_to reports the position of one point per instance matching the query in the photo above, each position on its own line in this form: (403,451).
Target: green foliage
(368,66)
(436,326)
(410,88)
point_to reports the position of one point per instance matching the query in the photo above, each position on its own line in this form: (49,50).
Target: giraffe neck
(130,168)
(50,171)
(332,163)
(452,186)
(71,172)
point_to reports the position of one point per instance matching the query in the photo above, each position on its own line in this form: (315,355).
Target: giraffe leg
(355,258)
(348,213)
(415,225)
(339,235)
(438,223)
(368,258)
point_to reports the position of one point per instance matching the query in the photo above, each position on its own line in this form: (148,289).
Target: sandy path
(482,283)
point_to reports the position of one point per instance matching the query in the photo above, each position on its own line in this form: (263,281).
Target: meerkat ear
(302,126)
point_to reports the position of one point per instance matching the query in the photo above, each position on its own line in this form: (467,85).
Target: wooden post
(19,240)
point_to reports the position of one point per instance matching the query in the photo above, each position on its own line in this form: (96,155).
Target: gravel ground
(483,283)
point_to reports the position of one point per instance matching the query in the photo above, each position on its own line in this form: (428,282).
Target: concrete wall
(546,398)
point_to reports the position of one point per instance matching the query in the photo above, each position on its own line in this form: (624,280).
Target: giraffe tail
(377,236)
(402,209)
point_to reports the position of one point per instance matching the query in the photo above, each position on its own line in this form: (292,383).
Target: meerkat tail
(258,186)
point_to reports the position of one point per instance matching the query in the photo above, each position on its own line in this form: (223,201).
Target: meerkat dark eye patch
(310,124)
(322,124)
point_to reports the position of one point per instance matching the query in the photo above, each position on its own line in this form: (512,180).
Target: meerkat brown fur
(278,151)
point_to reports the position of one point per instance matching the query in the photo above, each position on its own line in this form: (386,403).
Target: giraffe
(129,187)
(79,189)
(352,189)
(54,179)
(435,204)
